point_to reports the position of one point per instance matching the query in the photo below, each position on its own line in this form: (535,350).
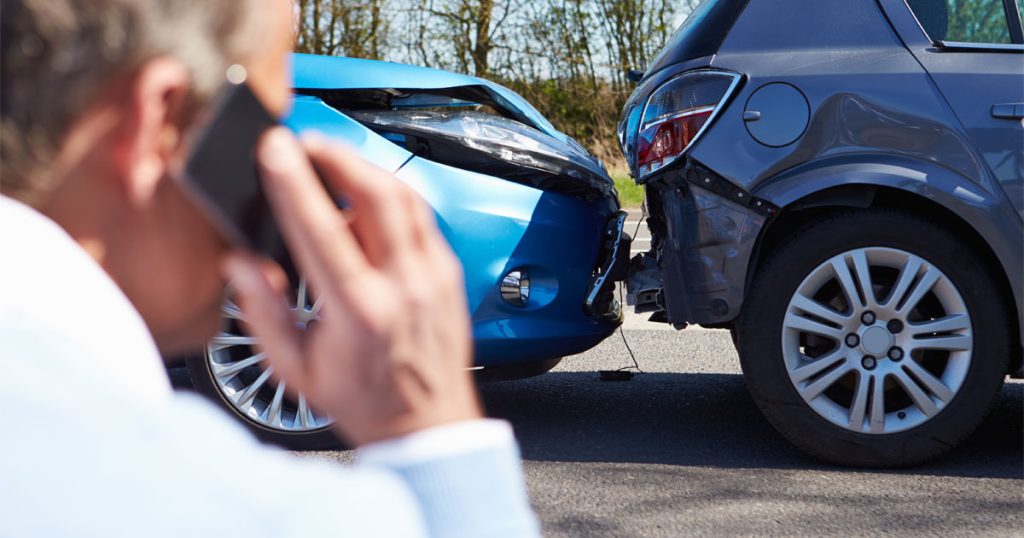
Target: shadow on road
(697,419)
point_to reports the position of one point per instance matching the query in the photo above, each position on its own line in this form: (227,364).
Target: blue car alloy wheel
(532,216)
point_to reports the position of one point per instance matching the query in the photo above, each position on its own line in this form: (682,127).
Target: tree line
(569,58)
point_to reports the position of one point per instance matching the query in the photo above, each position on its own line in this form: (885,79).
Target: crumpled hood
(313,72)
(439,116)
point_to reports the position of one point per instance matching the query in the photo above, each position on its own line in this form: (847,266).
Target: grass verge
(630,194)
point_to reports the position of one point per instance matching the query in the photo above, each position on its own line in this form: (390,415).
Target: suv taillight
(677,113)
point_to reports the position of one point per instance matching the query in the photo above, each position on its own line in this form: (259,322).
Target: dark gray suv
(839,183)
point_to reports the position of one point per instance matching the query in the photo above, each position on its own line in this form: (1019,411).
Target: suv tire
(772,351)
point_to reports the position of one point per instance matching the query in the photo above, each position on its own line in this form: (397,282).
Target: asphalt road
(681,450)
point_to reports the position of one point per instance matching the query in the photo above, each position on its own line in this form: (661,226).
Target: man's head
(96,98)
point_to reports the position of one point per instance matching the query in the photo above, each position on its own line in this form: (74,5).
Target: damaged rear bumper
(704,231)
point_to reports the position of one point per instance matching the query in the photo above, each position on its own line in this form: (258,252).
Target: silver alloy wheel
(243,378)
(873,365)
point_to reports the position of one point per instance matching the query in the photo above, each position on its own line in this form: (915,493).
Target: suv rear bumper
(704,231)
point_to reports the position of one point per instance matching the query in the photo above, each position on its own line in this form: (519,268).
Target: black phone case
(222,174)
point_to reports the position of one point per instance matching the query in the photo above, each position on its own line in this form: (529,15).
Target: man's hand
(390,353)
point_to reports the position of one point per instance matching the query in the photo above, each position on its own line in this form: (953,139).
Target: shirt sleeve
(467,478)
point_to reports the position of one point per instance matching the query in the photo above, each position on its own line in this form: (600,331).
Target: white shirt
(95,443)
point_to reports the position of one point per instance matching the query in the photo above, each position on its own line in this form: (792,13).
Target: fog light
(515,287)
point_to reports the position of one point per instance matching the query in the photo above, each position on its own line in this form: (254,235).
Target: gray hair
(58,55)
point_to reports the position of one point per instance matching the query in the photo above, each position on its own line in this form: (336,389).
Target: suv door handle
(1008,111)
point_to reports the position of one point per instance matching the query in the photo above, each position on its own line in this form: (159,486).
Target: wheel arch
(937,194)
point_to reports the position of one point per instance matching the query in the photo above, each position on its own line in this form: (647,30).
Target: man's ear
(150,131)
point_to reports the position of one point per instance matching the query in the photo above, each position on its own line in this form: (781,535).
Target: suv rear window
(963,21)
(701,34)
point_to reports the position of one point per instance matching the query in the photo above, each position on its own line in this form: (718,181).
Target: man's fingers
(379,200)
(317,236)
(268,316)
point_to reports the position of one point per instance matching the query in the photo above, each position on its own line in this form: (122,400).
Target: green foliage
(585,111)
(977,21)
(630,194)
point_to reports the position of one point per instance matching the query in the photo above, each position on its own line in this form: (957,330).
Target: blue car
(533,217)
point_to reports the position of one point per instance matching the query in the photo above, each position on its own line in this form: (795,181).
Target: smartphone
(220,172)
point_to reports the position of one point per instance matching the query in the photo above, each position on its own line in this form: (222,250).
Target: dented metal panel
(704,244)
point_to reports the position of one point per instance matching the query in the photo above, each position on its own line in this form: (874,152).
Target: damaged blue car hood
(313,72)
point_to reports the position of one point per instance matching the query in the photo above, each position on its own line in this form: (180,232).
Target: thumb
(268,316)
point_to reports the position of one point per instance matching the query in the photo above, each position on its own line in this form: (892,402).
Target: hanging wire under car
(622,333)
(626,372)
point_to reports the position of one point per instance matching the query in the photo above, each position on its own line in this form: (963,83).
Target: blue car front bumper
(496,224)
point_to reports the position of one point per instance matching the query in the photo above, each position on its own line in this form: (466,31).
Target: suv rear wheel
(874,338)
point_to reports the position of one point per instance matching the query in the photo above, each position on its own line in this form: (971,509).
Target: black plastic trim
(710,181)
(1013,18)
